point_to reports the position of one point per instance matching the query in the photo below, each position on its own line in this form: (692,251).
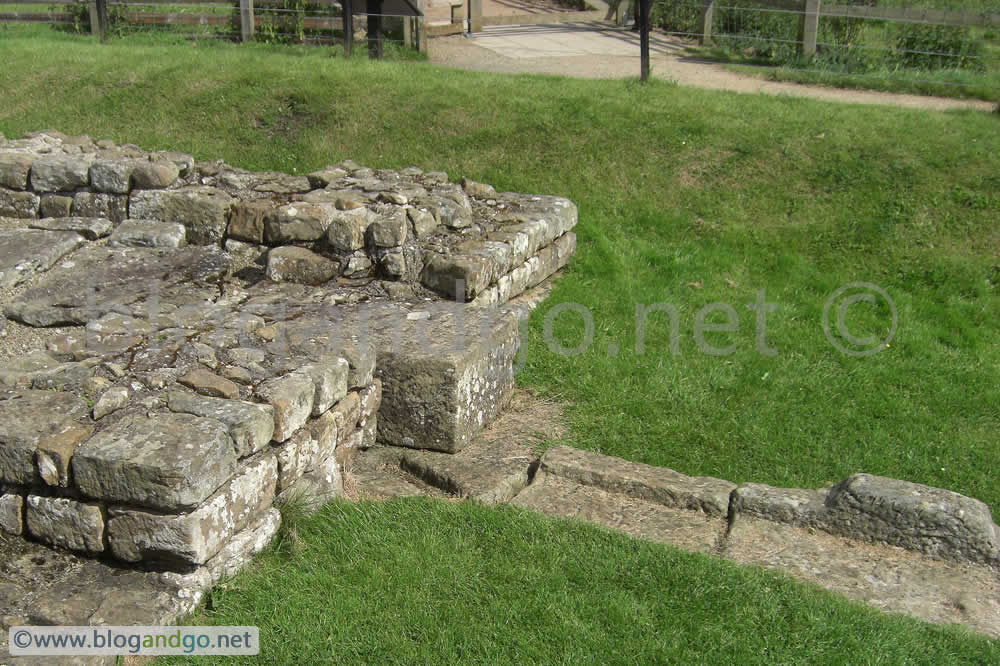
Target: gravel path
(597,52)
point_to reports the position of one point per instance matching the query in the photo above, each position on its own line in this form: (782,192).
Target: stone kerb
(935,522)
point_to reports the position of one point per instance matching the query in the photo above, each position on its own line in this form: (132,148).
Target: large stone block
(60,173)
(18,204)
(329,375)
(66,523)
(100,204)
(56,451)
(934,521)
(291,396)
(347,229)
(168,461)
(250,425)
(202,210)
(28,418)
(14,168)
(26,252)
(446,372)
(112,176)
(246,221)
(195,537)
(90,228)
(298,222)
(297,264)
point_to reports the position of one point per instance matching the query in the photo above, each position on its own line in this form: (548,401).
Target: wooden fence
(238,19)
(813,10)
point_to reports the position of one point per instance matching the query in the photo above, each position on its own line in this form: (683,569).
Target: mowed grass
(686,198)
(424,581)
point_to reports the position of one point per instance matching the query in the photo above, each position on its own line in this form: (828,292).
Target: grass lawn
(686,198)
(421,581)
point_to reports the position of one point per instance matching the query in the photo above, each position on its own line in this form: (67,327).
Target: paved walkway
(600,50)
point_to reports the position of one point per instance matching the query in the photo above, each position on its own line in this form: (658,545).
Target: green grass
(420,581)
(686,197)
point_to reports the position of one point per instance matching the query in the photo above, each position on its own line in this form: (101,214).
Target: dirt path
(597,51)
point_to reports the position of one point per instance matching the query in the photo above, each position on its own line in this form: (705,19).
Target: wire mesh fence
(316,22)
(937,43)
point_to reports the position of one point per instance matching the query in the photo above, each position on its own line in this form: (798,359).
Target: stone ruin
(188,343)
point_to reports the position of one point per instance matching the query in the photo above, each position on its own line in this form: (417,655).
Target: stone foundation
(234,338)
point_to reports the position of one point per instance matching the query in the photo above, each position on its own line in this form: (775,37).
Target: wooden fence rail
(813,10)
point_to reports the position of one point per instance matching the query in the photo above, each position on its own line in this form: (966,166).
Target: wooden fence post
(347,9)
(420,26)
(475,15)
(809,28)
(373,10)
(95,26)
(706,21)
(246,20)
(101,10)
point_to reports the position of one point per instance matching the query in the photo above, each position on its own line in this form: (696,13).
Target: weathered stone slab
(197,536)
(66,523)
(655,484)
(27,418)
(90,228)
(202,210)
(297,264)
(491,472)
(25,253)
(934,521)
(60,173)
(168,461)
(886,577)
(11,513)
(18,204)
(68,293)
(562,498)
(291,397)
(14,169)
(148,233)
(250,425)
(112,400)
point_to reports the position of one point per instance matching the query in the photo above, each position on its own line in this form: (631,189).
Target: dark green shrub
(930,47)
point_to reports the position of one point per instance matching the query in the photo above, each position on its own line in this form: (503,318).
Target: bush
(937,47)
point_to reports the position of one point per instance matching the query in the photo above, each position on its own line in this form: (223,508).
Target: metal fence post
(706,21)
(643,19)
(246,20)
(809,28)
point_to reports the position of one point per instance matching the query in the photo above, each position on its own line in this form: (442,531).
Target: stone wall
(229,339)
(345,221)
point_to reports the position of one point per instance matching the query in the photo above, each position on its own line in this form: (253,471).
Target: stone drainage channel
(187,344)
